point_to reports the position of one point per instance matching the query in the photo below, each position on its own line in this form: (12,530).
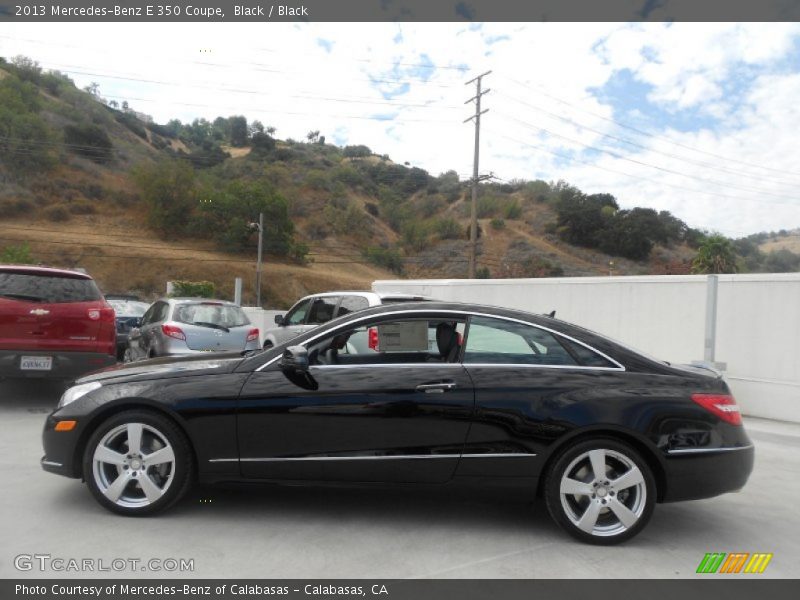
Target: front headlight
(76,391)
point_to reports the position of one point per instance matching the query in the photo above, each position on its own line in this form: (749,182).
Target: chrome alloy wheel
(133,465)
(603,492)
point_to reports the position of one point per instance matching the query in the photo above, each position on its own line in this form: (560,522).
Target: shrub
(498,223)
(89,141)
(17,255)
(82,208)
(487,206)
(57,213)
(483,273)
(13,207)
(372,209)
(415,235)
(447,229)
(512,210)
(388,258)
(132,122)
(357,151)
(195,289)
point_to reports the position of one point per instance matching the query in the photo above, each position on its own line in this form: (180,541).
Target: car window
(210,313)
(158,314)
(391,342)
(586,356)
(48,289)
(297,315)
(352,304)
(505,342)
(124,308)
(322,310)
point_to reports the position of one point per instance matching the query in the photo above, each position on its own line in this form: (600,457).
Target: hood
(161,368)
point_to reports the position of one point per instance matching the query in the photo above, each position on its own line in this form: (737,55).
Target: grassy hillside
(91,184)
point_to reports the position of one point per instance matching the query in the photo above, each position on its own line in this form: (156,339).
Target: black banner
(400,10)
(417,589)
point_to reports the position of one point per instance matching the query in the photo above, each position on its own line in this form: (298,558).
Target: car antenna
(552,314)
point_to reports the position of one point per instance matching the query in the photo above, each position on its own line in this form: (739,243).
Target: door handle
(436,388)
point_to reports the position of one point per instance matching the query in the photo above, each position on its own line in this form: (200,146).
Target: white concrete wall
(758,321)
(261,318)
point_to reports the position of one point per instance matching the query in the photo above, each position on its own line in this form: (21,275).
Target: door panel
(362,423)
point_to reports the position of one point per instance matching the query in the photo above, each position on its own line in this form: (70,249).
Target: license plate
(36,363)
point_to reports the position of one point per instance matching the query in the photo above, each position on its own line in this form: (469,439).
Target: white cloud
(281,75)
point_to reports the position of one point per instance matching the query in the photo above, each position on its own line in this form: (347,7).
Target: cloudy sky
(699,119)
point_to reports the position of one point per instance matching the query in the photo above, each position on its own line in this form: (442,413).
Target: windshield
(204,313)
(123,308)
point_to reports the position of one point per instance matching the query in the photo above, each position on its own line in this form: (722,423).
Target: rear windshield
(47,288)
(123,308)
(215,314)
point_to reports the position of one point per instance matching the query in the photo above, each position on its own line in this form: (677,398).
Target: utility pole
(258,264)
(473,230)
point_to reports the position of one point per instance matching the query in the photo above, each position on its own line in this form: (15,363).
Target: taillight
(173,331)
(373,338)
(253,335)
(722,405)
(105,314)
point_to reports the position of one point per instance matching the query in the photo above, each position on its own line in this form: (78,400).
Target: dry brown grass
(791,243)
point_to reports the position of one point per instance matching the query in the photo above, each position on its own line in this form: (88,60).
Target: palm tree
(715,255)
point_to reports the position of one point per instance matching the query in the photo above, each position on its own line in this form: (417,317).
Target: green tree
(239,132)
(168,187)
(26,141)
(715,255)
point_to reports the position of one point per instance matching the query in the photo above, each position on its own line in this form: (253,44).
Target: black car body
(558,407)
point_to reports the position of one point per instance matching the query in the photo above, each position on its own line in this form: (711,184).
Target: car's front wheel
(138,462)
(600,491)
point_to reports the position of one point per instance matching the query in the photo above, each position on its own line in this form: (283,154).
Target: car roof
(188,299)
(35,270)
(380,295)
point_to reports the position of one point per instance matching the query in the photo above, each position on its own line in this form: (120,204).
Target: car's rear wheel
(600,491)
(268,345)
(138,463)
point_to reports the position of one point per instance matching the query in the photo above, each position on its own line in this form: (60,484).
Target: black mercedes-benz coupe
(424,393)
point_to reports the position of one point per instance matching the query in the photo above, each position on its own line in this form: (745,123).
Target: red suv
(53,323)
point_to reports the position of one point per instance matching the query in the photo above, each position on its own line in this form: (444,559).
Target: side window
(395,342)
(160,312)
(505,342)
(322,310)
(148,315)
(587,357)
(297,315)
(352,304)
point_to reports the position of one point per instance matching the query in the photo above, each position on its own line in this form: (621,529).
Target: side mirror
(294,360)
(279,320)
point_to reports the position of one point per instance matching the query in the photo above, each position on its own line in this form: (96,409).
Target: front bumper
(60,456)
(66,365)
(707,473)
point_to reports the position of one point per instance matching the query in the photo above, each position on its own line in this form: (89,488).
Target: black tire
(158,433)
(595,510)
(268,345)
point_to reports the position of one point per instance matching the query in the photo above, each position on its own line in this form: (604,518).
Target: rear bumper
(66,365)
(692,475)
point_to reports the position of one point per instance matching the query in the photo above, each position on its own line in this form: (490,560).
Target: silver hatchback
(178,326)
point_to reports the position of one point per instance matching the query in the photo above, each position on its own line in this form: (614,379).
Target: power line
(646,164)
(540,90)
(695,162)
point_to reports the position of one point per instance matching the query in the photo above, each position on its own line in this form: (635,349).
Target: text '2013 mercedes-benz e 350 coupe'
(423,393)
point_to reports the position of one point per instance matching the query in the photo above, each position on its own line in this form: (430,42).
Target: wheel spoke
(114,491)
(164,455)
(631,478)
(589,517)
(151,490)
(598,460)
(104,454)
(623,513)
(134,438)
(573,486)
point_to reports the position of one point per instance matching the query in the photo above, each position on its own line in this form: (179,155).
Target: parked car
(178,326)
(127,315)
(315,310)
(54,323)
(124,297)
(507,398)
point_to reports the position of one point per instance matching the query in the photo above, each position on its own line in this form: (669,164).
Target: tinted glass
(586,356)
(47,289)
(396,342)
(322,310)
(503,342)
(297,315)
(352,304)
(159,312)
(201,313)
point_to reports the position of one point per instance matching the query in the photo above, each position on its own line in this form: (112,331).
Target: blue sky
(711,109)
